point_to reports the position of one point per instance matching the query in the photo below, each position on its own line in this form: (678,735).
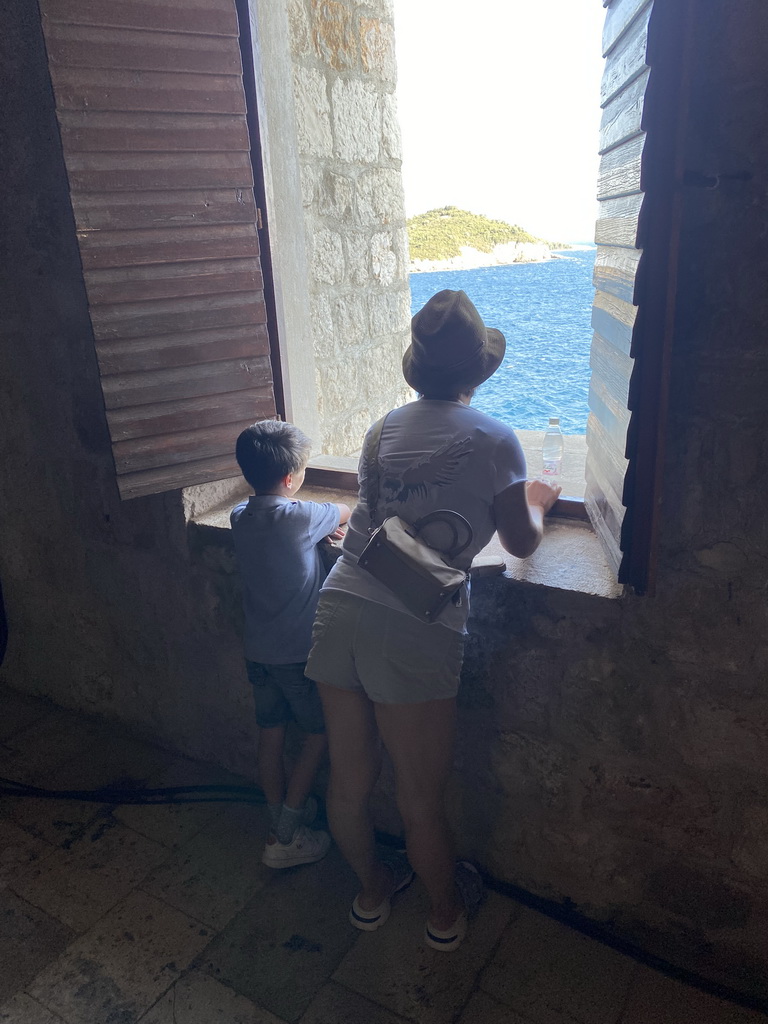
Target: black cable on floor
(163,795)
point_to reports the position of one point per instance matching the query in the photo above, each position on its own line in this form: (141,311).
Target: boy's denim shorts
(392,657)
(284,694)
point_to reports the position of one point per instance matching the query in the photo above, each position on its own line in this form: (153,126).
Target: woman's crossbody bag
(418,575)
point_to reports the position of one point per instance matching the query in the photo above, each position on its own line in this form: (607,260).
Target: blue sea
(544,312)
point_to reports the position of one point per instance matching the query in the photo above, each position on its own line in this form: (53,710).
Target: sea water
(544,311)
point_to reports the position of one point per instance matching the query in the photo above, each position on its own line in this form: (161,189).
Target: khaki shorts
(392,657)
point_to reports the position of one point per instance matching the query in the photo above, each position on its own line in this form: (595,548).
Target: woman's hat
(451,348)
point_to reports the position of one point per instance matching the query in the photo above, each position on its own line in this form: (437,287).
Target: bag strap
(372,469)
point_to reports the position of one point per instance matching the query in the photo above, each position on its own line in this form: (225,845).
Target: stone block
(296,928)
(198,999)
(350,319)
(19,849)
(380,198)
(323,332)
(122,965)
(310,177)
(653,997)
(333,34)
(562,976)
(313,113)
(337,1004)
(385,314)
(30,940)
(356,112)
(299,28)
(357,245)
(335,195)
(391,136)
(377,48)
(327,259)
(383,259)
(23,1010)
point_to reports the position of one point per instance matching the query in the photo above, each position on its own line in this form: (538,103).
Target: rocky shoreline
(500,255)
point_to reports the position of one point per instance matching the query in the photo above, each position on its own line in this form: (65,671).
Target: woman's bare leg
(355,753)
(419,739)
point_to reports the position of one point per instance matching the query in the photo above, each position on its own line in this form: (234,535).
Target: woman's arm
(519,514)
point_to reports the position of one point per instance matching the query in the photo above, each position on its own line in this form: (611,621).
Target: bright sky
(499,107)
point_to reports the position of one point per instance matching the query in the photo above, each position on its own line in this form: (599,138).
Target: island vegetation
(442,234)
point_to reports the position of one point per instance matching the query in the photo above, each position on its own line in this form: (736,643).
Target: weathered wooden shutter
(150,101)
(624,84)
(644,96)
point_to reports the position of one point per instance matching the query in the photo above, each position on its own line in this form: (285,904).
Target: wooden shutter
(644,96)
(150,101)
(625,80)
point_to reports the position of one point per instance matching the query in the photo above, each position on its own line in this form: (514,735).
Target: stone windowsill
(569,557)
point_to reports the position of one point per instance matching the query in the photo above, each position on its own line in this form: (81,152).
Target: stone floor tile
(552,974)
(114,759)
(656,999)
(42,746)
(120,968)
(287,941)
(58,822)
(22,1009)
(172,824)
(335,1004)
(80,884)
(215,873)
(18,710)
(18,849)
(481,1009)
(199,999)
(29,941)
(393,967)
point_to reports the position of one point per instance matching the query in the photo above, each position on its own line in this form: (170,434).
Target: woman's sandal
(470,886)
(370,920)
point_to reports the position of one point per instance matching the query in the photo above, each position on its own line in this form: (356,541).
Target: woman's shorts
(392,657)
(282,694)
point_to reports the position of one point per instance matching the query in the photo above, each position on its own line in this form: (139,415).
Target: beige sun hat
(451,348)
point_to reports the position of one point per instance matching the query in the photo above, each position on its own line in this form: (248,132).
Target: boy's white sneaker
(306,847)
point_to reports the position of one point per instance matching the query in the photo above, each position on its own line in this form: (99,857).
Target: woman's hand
(541,495)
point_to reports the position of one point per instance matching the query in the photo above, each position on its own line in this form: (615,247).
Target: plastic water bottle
(552,453)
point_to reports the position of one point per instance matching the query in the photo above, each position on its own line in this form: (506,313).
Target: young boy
(276,541)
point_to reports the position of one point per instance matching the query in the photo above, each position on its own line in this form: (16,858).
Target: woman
(386,675)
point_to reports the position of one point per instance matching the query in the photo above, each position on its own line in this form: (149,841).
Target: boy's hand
(541,494)
(338,534)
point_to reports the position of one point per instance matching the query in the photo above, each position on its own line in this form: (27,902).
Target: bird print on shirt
(436,469)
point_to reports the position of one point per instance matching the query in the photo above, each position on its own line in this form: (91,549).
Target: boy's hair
(269,450)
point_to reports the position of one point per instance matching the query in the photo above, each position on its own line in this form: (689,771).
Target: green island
(440,234)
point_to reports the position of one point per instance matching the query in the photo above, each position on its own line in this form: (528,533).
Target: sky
(498,103)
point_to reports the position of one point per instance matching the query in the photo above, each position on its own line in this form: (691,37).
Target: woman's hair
(269,450)
(448,396)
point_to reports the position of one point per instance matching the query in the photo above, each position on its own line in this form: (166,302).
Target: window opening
(500,119)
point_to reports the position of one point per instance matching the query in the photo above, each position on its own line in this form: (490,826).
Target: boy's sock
(274,815)
(289,821)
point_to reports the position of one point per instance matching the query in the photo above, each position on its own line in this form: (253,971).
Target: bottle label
(551,468)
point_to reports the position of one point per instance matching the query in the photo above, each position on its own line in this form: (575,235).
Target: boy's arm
(344,513)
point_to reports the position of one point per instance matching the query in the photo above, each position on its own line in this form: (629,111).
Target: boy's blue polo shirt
(276,549)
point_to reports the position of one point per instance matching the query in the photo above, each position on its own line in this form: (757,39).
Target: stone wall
(349,154)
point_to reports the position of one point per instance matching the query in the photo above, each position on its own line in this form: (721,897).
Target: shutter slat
(610,468)
(615,271)
(187,349)
(99,47)
(186,382)
(172,280)
(619,173)
(100,172)
(627,59)
(617,221)
(176,416)
(152,452)
(103,211)
(611,370)
(203,17)
(150,100)
(170,316)
(614,319)
(622,117)
(618,18)
(102,89)
(134,248)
